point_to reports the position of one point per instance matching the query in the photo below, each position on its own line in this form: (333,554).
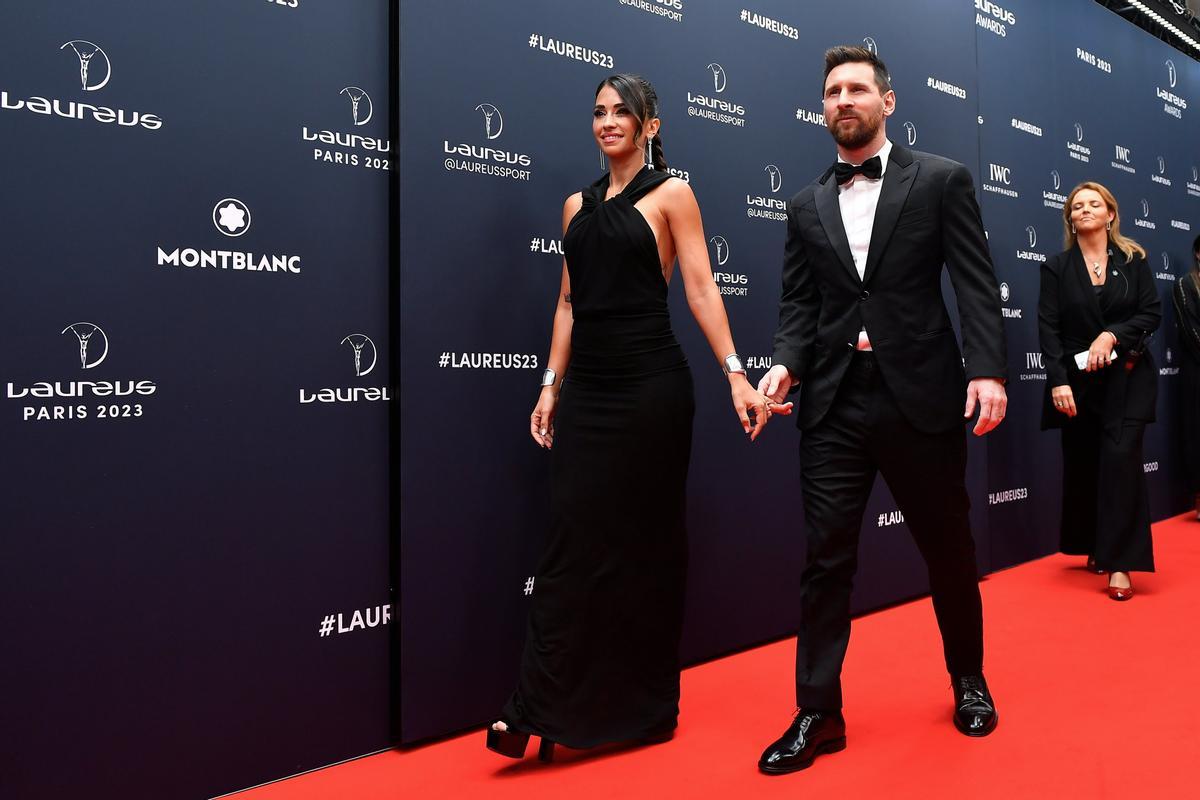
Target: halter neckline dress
(601,658)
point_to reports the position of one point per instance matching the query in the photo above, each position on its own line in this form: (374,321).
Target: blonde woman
(1098,307)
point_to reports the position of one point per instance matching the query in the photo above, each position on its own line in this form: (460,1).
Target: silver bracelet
(732,363)
(549,377)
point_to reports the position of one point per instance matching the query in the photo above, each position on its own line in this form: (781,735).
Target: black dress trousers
(864,433)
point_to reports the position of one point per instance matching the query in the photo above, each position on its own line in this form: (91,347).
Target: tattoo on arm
(567,297)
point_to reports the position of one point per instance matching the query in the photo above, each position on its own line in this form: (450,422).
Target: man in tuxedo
(864,333)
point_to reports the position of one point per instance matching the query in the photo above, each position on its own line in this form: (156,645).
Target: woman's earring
(1072,228)
(603,162)
(649,156)
(1109,226)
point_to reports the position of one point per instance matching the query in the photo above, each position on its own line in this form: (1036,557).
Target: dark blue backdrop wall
(495,132)
(194,579)
(195,345)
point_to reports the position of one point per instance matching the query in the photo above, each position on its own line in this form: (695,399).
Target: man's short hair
(850,54)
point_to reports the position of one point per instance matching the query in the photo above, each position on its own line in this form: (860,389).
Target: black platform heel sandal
(513,743)
(507,742)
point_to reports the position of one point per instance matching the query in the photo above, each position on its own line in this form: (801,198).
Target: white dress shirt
(857,200)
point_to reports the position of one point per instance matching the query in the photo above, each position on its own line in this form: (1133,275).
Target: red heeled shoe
(1120,592)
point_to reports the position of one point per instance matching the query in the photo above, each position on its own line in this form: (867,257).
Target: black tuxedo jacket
(927,216)
(1070,319)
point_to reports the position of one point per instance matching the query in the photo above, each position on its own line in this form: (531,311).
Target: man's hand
(993,402)
(776,383)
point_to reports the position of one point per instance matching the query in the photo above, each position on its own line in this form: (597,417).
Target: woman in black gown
(601,657)
(1186,296)
(1098,300)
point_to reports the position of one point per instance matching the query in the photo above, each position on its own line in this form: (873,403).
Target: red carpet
(1097,699)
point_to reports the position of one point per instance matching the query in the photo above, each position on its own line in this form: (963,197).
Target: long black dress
(601,659)
(1186,296)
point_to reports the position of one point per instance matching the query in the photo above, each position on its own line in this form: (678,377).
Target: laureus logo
(1172,75)
(365,357)
(1078,132)
(1195,174)
(1054,176)
(776,177)
(93,349)
(1032,233)
(722,249)
(361,112)
(911,131)
(231,216)
(870,44)
(360,342)
(1146,209)
(1162,165)
(719,77)
(1166,259)
(94,72)
(493,120)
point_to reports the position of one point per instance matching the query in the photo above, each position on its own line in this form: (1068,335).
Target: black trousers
(1106,507)
(862,434)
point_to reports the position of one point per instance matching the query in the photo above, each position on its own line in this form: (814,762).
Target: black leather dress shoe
(811,734)
(974,710)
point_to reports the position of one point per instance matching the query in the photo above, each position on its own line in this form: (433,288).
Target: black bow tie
(871,168)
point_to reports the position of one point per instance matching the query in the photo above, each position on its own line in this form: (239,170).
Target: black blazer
(1186,296)
(927,216)
(1069,320)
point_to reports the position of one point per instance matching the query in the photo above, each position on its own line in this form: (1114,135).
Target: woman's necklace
(1096,268)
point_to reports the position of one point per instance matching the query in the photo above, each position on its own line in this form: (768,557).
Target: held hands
(1064,400)
(746,399)
(775,385)
(1100,353)
(993,402)
(541,421)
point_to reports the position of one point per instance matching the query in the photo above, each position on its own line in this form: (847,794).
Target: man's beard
(859,135)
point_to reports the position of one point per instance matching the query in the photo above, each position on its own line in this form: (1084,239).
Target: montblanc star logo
(231,216)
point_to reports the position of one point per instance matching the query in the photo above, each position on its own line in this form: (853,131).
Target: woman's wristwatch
(732,363)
